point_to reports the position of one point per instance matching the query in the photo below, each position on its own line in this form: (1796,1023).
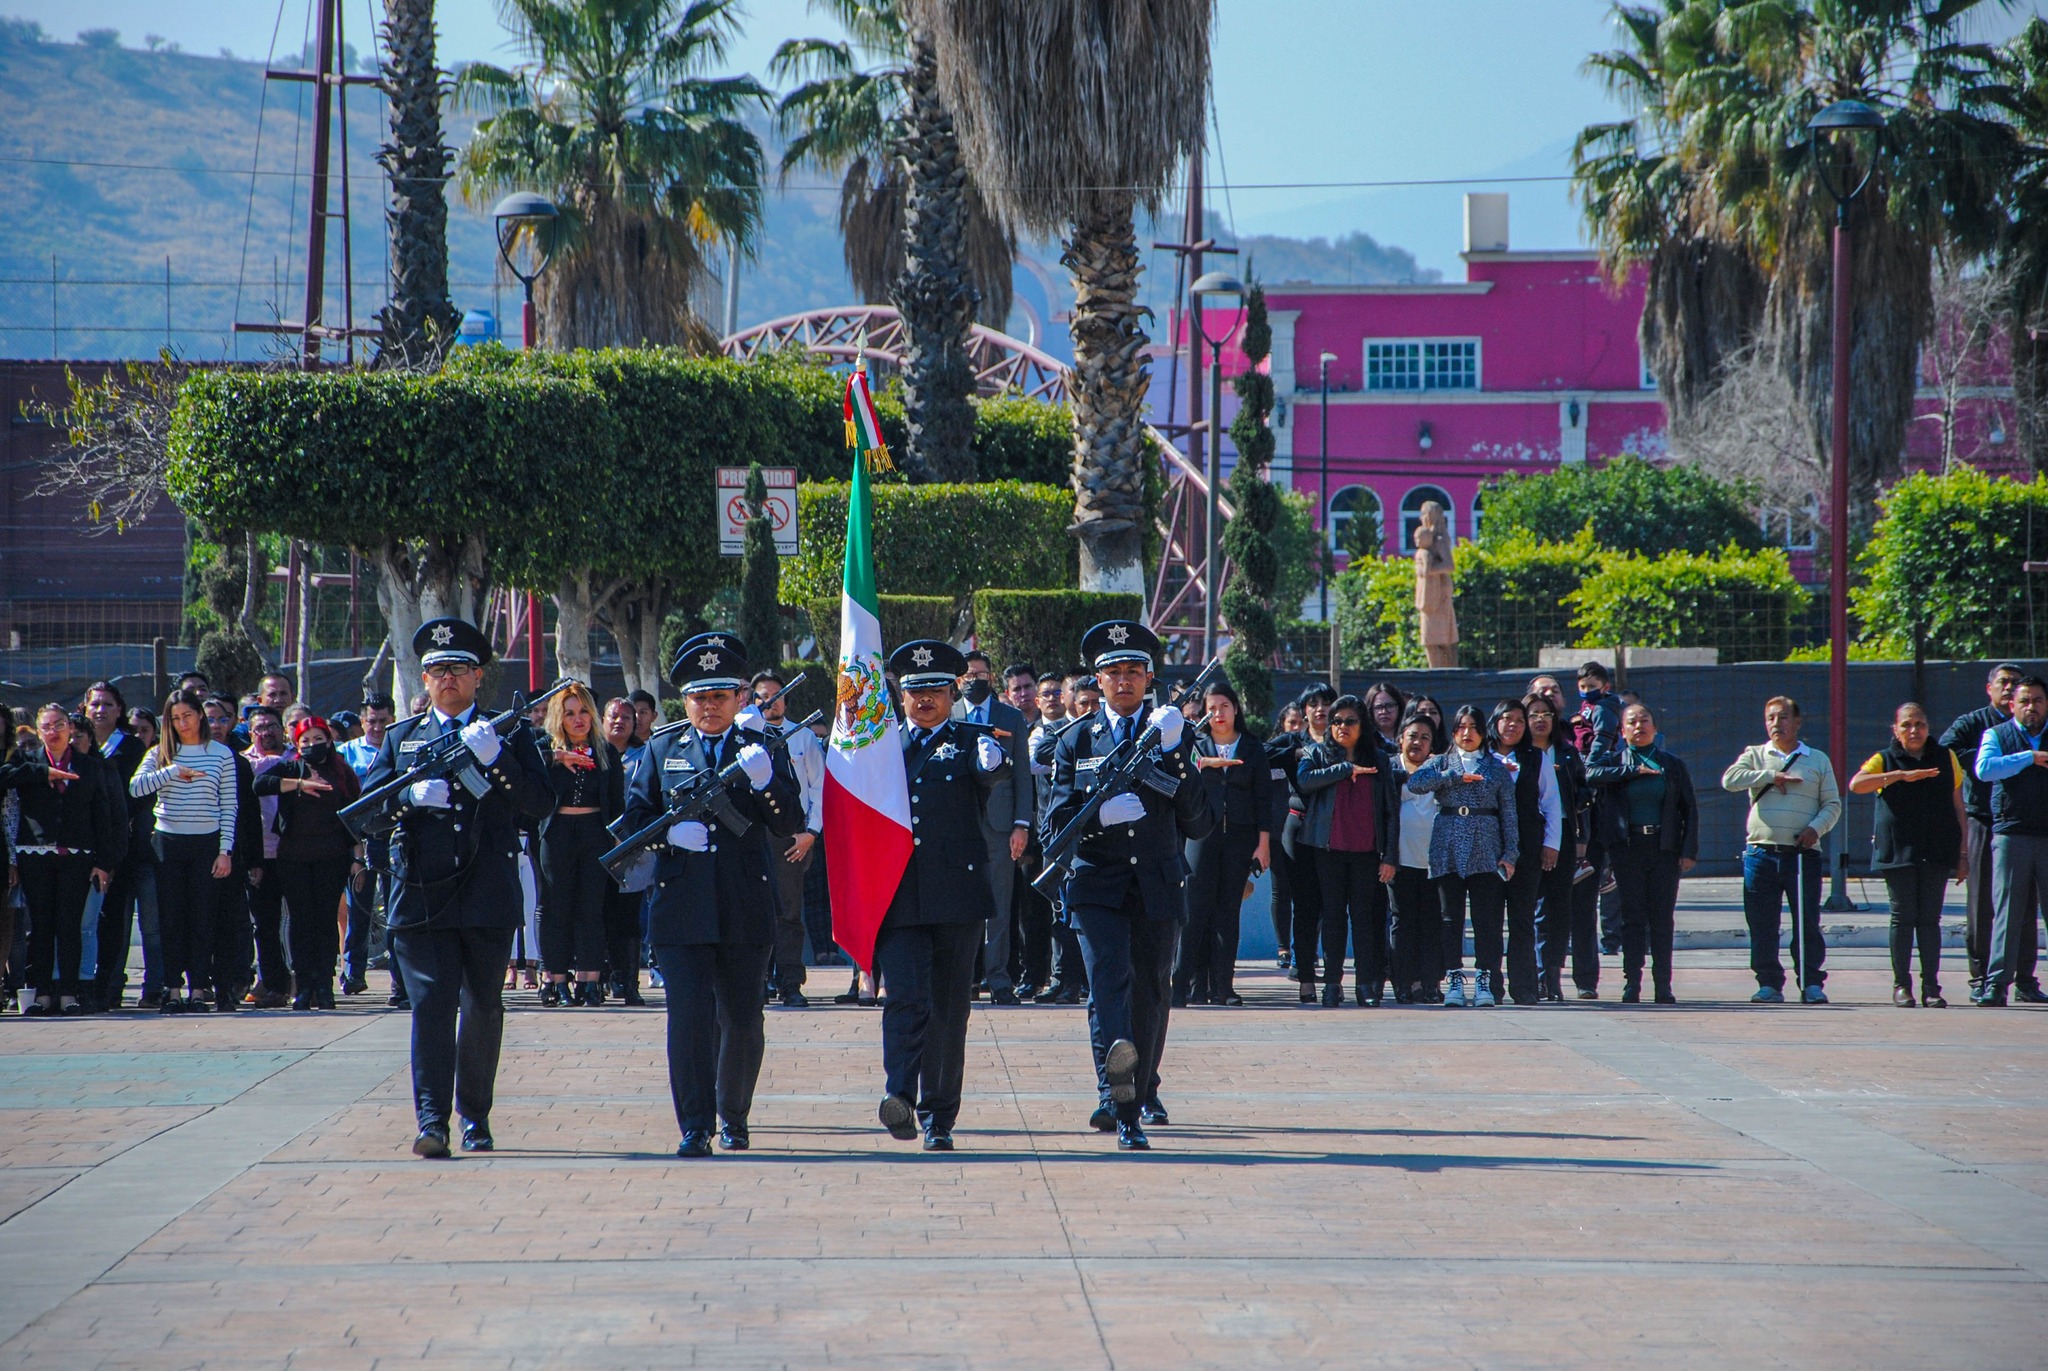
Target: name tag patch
(675,764)
(1087,763)
(413,746)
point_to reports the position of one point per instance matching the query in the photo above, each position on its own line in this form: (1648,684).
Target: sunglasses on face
(1346,721)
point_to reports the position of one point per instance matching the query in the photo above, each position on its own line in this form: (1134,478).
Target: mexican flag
(867,798)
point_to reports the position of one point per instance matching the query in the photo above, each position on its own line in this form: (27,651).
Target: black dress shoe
(696,1143)
(1131,1138)
(1002,997)
(936,1141)
(1308,992)
(302,1003)
(1103,1120)
(1631,993)
(1153,1112)
(1120,1067)
(1027,991)
(476,1136)
(1333,997)
(899,1116)
(40,1009)
(1062,994)
(733,1137)
(1232,999)
(794,999)
(432,1142)
(630,995)
(398,1002)
(2029,994)
(1178,1002)
(1664,995)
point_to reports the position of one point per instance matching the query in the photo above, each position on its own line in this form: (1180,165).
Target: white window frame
(1421,346)
(1412,519)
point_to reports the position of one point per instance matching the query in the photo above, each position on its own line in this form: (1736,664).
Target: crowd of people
(1550,830)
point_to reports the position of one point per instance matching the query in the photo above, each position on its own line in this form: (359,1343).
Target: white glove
(750,717)
(483,741)
(1168,721)
(988,754)
(690,836)
(759,766)
(1126,808)
(428,795)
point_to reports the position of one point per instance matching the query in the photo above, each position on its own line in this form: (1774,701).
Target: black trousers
(927,975)
(55,888)
(312,896)
(1207,967)
(1308,901)
(1486,894)
(1418,917)
(715,1034)
(455,978)
(572,887)
(188,899)
(622,934)
(1522,892)
(1283,896)
(1916,893)
(1586,921)
(117,915)
(1979,908)
(1646,881)
(1034,927)
(1354,902)
(1554,921)
(789,914)
(1130,974)
(365,897)
(266,919)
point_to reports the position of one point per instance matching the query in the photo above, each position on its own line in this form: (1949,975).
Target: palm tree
(419,322)
(915,231)
(614,116)
(1936,185)
(1073,113)
(1646,210)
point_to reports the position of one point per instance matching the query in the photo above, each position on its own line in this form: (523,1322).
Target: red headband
(311,721)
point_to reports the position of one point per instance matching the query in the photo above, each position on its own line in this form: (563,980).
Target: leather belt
(1645,830)
(1468,811)
(1781,847)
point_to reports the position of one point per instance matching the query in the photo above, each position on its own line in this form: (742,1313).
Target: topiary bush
(935,539)
(1514,597)
(1632,505)
(904,617)
(1044,627)
(1943,562)
(1742,603)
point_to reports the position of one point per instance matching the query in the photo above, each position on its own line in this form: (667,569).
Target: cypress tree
(1248,539)
(760,575)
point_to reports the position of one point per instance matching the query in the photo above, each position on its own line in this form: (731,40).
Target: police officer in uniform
(711,910)
(925,950)
(455,901)
(1126,892)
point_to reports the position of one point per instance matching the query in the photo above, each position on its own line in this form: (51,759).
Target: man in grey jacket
(1006,822)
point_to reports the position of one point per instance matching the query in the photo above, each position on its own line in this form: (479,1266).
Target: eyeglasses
(1347,721)
(449,670)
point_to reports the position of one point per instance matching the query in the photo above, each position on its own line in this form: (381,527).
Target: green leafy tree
(616,117)
(760,572)
(1247,601)
(1942,567)
(1630,504)
(1742,603)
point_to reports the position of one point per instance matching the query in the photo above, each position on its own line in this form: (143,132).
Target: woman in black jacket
(1233,771)
(1919,845)
(1539,824)
(1307,886)
(73,834)
(1281,750)
(316,854)
(590,792)
(1554,889)
(1352,824)
(1653,828)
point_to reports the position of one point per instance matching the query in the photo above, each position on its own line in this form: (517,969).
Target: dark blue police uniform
(925,949)
(711,912)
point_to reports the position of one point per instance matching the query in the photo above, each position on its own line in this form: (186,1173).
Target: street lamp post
(524,215)
(1323,490)
(1833,132)
(1215,283)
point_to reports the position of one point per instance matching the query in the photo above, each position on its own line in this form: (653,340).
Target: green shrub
(1631,504)
(1023,440)
(1043,627)
(1944,561)
(1513,596)
(229,661)
(904,617)
(1377,624)
(936,539)
(1742,603)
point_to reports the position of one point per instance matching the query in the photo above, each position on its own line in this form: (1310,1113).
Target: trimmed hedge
(1630,503)
(1742,603)
(1514,596)
(936,539)
(904,617)
(1043,627)
(1944,561)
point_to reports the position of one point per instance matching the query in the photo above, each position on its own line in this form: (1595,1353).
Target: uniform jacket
(89,814)
(726,894)
(1148,852)
(458,867)
(1012,803)
(948,846)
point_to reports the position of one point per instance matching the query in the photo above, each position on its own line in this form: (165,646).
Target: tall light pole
(1323,490)
(524,216)
(1215,283)
(1835,133)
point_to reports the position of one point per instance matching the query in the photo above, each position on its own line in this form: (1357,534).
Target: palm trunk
(1108,394)
(420,322)
(935,293)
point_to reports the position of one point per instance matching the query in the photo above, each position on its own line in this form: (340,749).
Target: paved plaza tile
(1711,1185)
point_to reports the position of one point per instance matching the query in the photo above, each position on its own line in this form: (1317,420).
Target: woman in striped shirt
(193,779)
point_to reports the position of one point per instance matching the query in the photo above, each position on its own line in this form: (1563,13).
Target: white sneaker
(1454,994)
(1485,998)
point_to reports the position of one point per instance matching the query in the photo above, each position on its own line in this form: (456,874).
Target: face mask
(318,753)
(1587,694)
(977,690)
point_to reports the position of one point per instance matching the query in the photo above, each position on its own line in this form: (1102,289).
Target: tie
(924,738)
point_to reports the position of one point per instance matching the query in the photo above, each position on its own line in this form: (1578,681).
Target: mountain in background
(158,196)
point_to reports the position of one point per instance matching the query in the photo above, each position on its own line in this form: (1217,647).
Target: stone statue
(1433,587)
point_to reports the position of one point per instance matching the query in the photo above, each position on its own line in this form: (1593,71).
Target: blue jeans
(1770,878)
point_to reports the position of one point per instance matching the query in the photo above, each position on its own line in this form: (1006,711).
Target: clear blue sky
(1309,93)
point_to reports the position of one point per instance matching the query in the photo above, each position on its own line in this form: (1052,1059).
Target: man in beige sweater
(1793,802)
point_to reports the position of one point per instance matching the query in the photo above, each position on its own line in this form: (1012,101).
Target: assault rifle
(441,759)
(701,793)
(1128,767)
